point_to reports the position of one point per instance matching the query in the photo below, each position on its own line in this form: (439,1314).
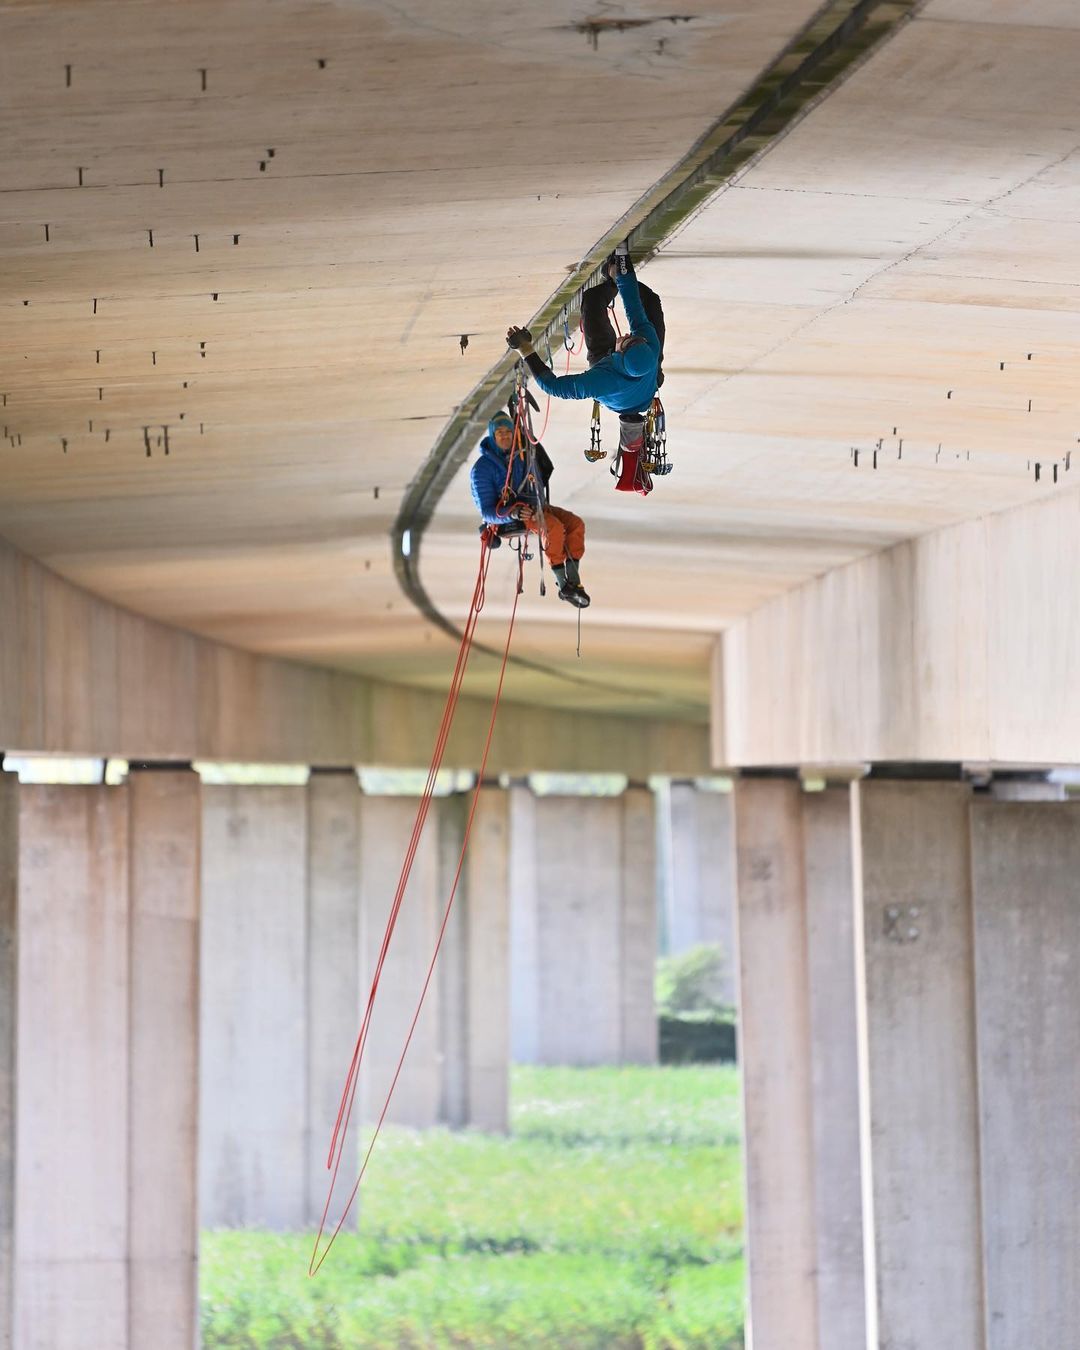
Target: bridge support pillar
(701,899)
(254,1007)
(9,921)
(332,954)
(163,1057)
(920,1139)
(108,904)
(774,1050)
(584,928)
(945,926)
(1027,961)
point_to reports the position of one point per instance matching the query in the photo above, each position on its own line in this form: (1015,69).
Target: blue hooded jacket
(625,382)
(488,475)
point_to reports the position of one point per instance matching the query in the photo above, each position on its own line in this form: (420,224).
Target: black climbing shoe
(578,597)
(570,588)
(622,260)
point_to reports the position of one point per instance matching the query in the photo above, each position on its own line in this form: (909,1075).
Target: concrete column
(453,969)
(72,1183)
(163,842)
(576,846)
(9,865)
(487,921)
(774,1038)
(254,1004)
(584,928)
(525,973)
(638,1034)
(834,1069)
(386,825)
(702,894)
(1026,872)
(333,968)
(919,1117)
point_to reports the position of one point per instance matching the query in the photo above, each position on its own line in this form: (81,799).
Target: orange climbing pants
(564,535)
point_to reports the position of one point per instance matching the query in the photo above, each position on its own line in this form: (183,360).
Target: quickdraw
(595,451)
(642,453)
(654,456)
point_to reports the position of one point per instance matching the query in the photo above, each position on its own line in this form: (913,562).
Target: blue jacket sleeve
(635,311)
(589,384)
(486,494)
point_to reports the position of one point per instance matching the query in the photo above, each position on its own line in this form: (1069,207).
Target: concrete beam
(81,676)
(916,653)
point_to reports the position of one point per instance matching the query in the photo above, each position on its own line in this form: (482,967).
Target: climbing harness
(525,445)
(629,469)
(642,452)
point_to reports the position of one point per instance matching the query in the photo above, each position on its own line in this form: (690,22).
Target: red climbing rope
(348,1096)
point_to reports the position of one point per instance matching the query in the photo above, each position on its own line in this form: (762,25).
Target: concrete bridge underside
(255,266)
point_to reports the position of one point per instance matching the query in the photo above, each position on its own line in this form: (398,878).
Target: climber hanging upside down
(624,372)
(522,494)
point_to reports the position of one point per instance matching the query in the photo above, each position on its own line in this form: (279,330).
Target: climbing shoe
(577,595)
(621,259)
(570,588)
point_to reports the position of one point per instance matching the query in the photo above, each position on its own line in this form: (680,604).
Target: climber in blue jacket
(624,373)
(506,487)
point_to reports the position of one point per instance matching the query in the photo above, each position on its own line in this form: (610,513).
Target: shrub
(691,982)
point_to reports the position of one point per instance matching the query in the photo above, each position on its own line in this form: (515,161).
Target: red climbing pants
(564,535)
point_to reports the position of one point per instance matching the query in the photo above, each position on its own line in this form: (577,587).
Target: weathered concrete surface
(638,1039)
(919,1108)
(890,249)
(1026,872)
(834,1069)
(73,1174)
(918,653)
(584,929)
(332,966)
(702,898)
(253,1116)
(77,675)
(107,886)
(386,827)
(385,203)
(163,1056)
(775,1053)
(9,949)
(473,974)
(526,973)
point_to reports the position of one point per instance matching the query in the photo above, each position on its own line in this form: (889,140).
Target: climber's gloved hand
(523,511)
(520,339)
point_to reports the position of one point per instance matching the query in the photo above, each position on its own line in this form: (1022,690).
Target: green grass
(610,1219)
